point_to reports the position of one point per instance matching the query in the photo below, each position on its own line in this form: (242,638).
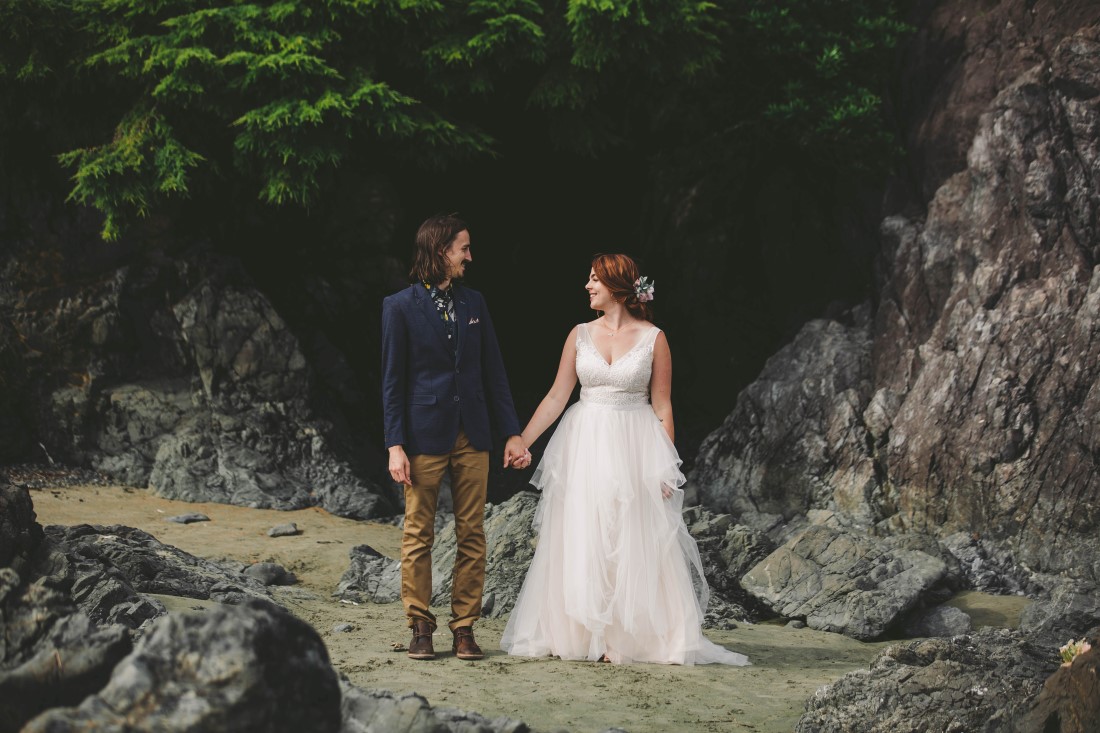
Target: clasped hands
(516,454)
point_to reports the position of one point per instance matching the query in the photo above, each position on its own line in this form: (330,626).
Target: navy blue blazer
(428,391)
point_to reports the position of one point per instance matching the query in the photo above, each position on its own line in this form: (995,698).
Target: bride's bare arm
(660,384)
(555,400)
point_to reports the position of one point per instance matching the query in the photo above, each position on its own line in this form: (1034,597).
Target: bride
(616,576)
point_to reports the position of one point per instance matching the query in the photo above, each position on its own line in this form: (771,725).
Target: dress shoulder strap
(582,333)
(651,336)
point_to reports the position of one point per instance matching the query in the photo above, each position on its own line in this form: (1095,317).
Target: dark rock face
(252,667)
(983,682)
(843,582)
(174,371)
(779,445)
(975,407)
(963,54)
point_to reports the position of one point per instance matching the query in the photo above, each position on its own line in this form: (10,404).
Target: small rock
(796,624)
(189,518)
(940,621)
(342,628)
(284,530)
(270,573)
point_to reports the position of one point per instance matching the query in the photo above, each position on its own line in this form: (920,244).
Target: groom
(444,392)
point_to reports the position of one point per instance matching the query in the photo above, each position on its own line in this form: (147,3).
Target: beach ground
(788,664)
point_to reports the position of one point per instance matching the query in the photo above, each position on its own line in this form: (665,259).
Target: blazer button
(456,398)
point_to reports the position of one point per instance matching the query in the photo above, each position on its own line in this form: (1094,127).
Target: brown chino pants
(469,480)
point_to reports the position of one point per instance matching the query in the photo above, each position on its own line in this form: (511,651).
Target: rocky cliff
(162,363)
(963,396)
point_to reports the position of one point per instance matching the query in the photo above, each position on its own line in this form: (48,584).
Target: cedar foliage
(149,102)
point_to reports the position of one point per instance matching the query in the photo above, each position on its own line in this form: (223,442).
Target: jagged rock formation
(964,398)
(963,54)
(177,373)
(982,682)
(93,562)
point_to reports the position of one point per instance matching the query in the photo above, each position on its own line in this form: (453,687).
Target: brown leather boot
(421,645)
(465,647)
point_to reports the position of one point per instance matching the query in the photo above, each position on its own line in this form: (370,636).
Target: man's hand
(515,453)
(399,465)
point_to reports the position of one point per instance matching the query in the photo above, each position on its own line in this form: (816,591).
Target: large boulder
(982,682)
(252,667)
(839,581)
(968,401)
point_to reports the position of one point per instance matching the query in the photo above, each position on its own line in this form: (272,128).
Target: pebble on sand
(284,530)
(189,518)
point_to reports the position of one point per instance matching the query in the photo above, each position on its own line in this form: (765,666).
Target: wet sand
(548,694)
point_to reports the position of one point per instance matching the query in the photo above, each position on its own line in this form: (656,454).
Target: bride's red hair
(619,273)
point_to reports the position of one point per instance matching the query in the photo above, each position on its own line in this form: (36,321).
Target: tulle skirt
(615,571)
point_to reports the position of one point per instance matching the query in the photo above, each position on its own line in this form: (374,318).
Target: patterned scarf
(445,304)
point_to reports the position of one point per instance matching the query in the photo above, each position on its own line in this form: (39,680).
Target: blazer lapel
(462,315)
(430,312)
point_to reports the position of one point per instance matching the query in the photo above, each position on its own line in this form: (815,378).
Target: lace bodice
(625,382)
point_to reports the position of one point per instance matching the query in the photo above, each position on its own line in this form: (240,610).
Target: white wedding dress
(615,571)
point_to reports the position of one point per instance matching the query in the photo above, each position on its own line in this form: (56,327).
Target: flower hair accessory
(643,289)
(1071,649)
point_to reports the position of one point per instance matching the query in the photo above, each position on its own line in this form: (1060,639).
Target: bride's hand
(522,461)
(666,491)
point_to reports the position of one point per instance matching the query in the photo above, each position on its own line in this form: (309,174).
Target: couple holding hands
(616,577)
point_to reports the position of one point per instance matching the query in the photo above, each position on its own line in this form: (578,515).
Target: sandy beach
(548,694)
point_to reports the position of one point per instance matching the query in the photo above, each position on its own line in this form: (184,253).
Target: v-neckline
(610,364)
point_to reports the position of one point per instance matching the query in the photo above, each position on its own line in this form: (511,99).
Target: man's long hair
(432,239)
